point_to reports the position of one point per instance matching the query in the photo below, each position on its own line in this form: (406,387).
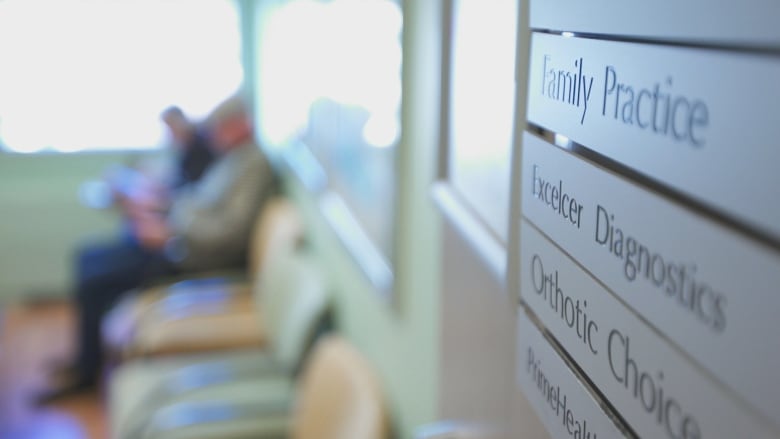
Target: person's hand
(152,231)
(140,204)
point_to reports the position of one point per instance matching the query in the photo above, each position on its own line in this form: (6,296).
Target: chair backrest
(339,396)
(292,299)
(278,227)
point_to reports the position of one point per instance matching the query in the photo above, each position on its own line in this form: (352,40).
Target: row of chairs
(236,358)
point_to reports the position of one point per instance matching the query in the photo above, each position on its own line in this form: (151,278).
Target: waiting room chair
(203,314)
(337,397)
(292,307)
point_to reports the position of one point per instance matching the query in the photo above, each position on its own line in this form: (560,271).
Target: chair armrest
(200,413)
(197,300)
(205,282)
(197,376)
(454,429)
(194,290)
(228,275)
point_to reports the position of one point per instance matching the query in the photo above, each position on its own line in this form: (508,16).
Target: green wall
(42,220)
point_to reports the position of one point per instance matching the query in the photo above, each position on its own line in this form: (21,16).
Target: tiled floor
(30,338)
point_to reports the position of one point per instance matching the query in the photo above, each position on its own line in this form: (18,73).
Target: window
(331,81)
(80,75)
(481,109)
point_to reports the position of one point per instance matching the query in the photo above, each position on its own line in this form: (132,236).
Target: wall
(41,219)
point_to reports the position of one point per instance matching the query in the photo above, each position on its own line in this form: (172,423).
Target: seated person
(191,141)
(130,187)
(205,226)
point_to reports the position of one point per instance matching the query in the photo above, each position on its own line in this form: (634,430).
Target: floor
(32,337)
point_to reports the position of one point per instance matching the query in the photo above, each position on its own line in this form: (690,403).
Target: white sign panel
(701,121)
(743,22)
(654,387)
(561,401)
(710,291)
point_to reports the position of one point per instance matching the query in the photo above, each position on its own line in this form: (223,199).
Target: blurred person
(205,226)
(191,143)
(131,188)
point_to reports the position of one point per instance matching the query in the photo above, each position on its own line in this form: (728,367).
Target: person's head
(180,127)
(229,124)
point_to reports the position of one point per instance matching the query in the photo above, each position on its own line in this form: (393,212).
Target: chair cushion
(230,325)
(201,296)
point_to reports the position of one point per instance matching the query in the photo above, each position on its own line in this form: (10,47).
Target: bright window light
(330,77)
(80,75)
(482,109)
(310,52)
